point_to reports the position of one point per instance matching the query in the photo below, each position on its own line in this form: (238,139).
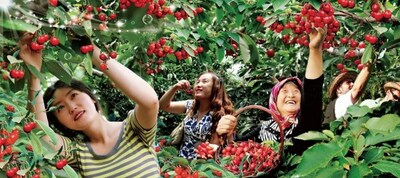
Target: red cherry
(21,74)
(351,4)
(5,76)
(53,2)
(59,165)
(361,45)
(84,49)
(14,73)
(357,62)
(199,10)
(9,108)
(199,49)
(102,17)
(157,149)
(259,18)
(89,8)
(340,66)
(387,14)
(27,128)
(88,16)
(113,54)
(270,52)
(54,41)
(360,66)
(113,16)
(103,57)
(102,26)
(41,39)
(344,40)
(378,16)
(103,66)
(375,7)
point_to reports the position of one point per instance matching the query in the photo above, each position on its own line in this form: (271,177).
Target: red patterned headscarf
(275,91)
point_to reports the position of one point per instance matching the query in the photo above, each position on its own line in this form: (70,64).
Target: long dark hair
(220,105)
(52,119)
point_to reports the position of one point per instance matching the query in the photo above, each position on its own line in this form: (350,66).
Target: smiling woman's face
(75,108)
(288,100)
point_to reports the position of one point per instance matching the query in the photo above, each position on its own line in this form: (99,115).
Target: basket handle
(277,118)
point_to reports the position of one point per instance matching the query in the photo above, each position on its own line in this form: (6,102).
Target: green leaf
(329,133)
(180,161)
(316,3)
(359,171)
(316,157)
(35,72)
(234,36)
(357,125)
(279,4)
(220,54)
(79,30)
(380,29)
(373,139)
(220,14)
(70,172)
(373,155)
(35,143)
(396,32)
(13,60)
(261,3)
(359,146)
(49,132)
(183,33)
(87,25)
(331,171)
(385,124)
(391,44)
(388,167)
(19,25)
(367,56)
(219,3)
(58,70)
(252,47)
(87,63)
(313,135)
(239,19)
(358,111)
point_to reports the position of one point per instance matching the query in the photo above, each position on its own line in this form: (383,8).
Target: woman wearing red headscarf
(298,104)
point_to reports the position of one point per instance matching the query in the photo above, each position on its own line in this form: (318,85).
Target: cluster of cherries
(103,56)
(61,163)
(124,4)
(159,49)
(181,14)
(159,9)
(39,44)
(260,158)
(182,172)
(205,151)
(378,15)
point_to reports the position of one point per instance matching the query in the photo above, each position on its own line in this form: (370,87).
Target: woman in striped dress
(106,149)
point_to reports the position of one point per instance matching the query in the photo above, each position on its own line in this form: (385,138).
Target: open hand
(227,125)
(317,36)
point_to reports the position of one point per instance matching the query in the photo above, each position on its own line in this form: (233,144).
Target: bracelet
(31,89)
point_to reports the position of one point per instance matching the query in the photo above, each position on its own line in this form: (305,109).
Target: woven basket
(276,159)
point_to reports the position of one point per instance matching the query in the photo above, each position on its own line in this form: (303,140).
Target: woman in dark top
(300,106)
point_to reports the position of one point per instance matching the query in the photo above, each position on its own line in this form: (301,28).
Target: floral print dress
(194,132)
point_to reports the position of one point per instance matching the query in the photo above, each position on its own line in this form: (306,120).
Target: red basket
(275,159)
